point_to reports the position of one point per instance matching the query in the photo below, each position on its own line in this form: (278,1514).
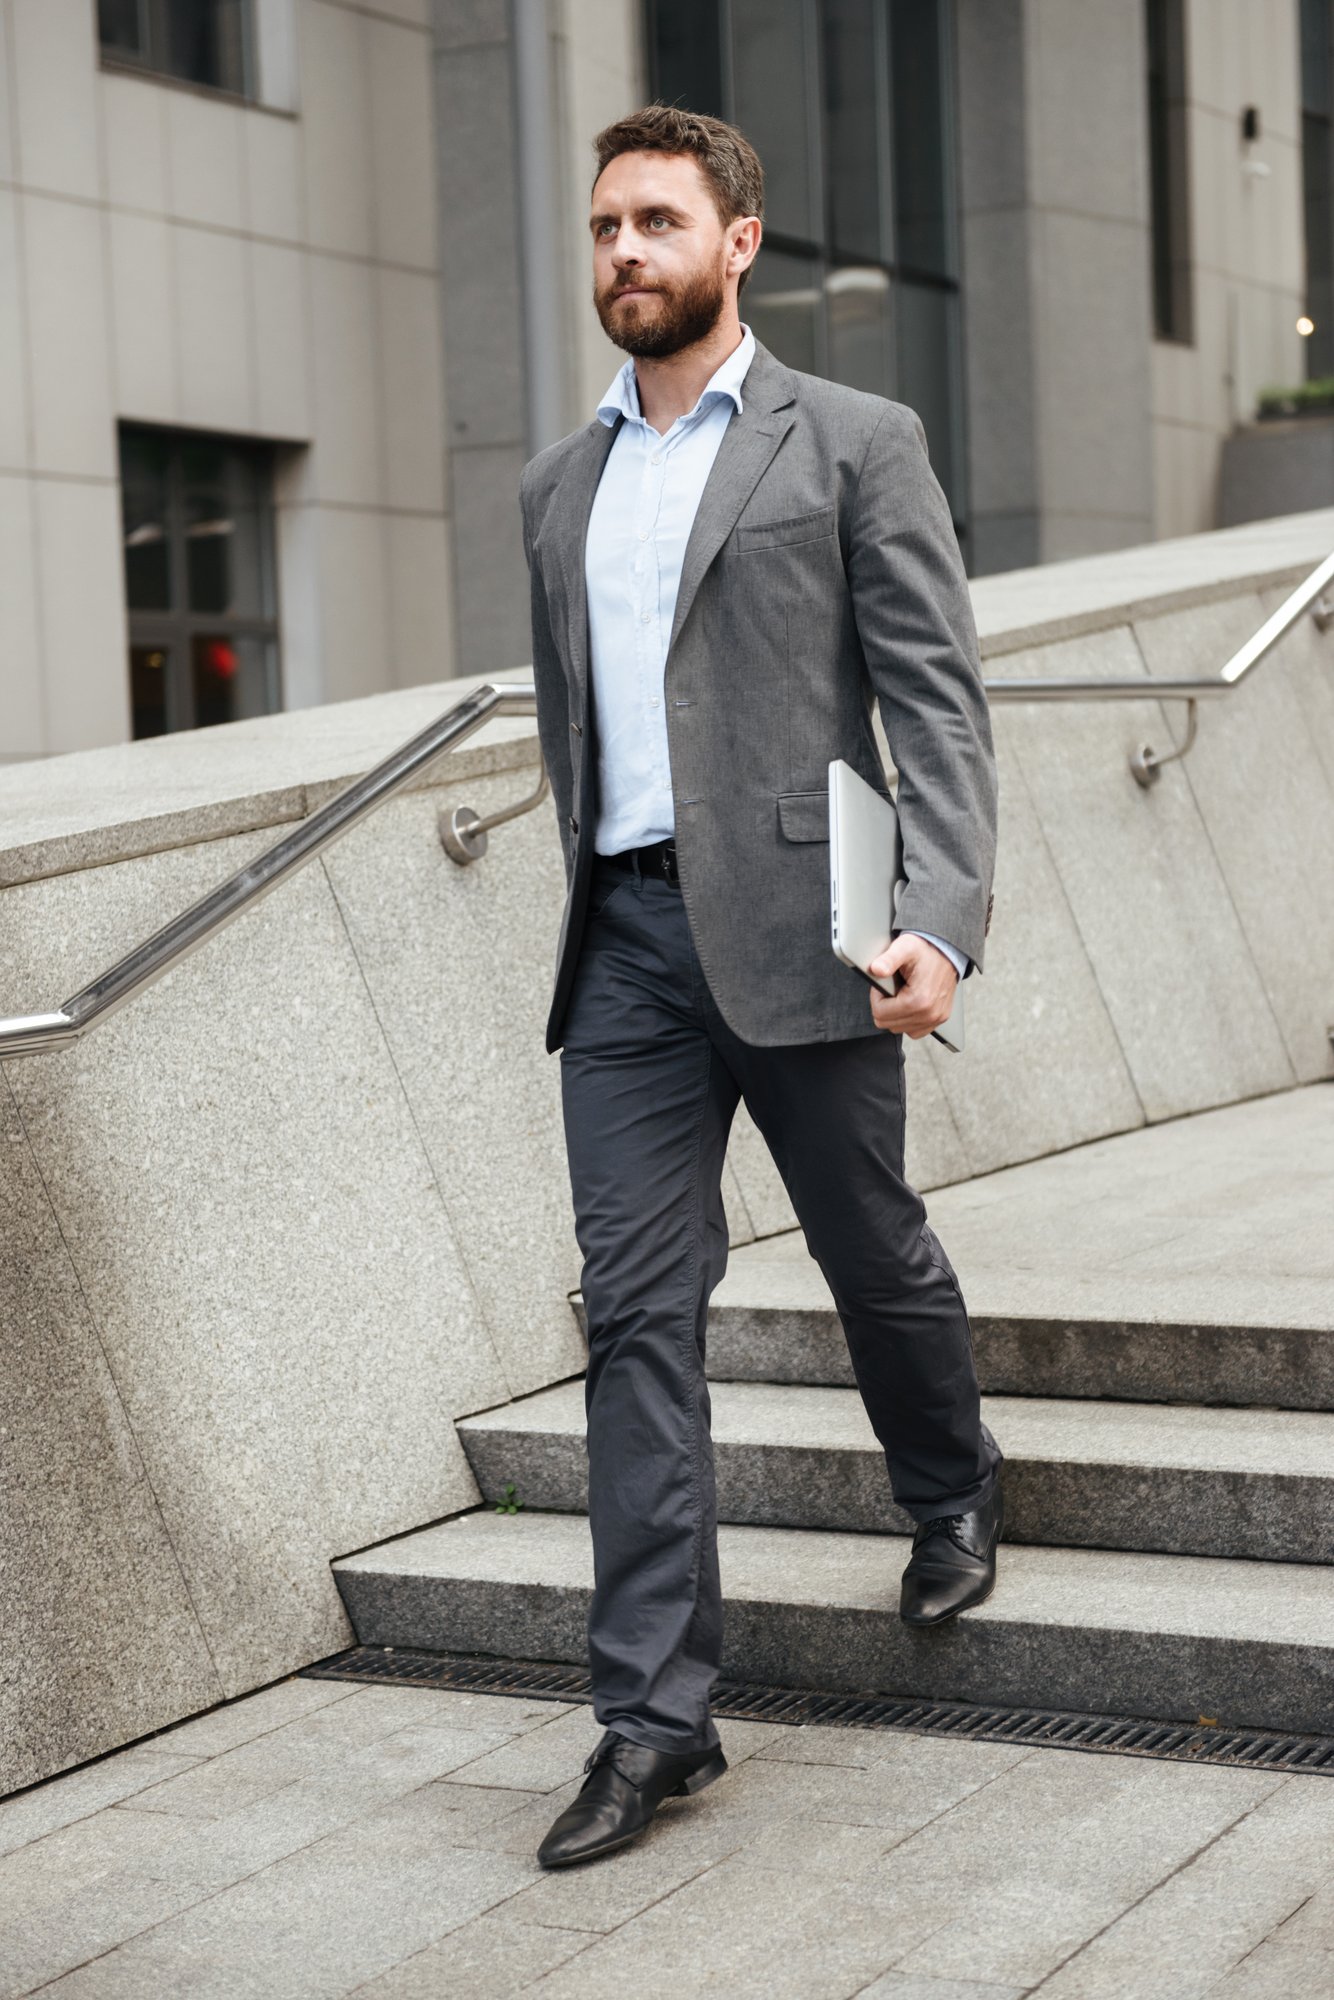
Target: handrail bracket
(1146,765)
(463,833)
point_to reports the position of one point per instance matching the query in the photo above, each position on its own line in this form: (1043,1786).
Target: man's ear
(742,241)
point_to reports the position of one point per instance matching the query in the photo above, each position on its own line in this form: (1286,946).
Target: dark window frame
(827,254)
(1171,267)
(1317,113)
(155,59)
(174,627)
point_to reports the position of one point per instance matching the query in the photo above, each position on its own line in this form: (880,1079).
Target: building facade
(222,463)
(290,289)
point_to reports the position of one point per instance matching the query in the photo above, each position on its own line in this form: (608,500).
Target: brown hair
(725,157)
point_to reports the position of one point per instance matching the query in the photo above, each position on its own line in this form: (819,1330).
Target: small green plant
(1277,401)
(509,1505)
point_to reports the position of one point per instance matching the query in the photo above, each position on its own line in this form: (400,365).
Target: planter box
(1277,465)
(1293,408)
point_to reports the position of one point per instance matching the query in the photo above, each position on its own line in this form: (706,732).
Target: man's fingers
(904,1014)
(904,1009)
(926,986)
(897,953)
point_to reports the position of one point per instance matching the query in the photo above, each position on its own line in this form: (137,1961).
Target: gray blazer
(821,573)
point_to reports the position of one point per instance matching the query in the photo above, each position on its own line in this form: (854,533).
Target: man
(728,565)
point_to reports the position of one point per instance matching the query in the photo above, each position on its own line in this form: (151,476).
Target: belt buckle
(667,856)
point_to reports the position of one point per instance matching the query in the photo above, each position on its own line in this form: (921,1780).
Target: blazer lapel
(571,505)
(753,435)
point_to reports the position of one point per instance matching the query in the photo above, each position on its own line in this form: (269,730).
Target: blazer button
(574,824)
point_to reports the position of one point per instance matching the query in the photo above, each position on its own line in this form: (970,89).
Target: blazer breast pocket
(817,525)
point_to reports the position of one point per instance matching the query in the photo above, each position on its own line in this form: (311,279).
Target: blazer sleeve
(553,706)
(914,618)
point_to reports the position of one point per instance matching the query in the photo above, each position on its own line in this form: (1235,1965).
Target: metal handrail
(1146,764)
(463,834)
(35,1034)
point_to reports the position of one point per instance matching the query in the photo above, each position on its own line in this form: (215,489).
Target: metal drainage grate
(1126,1735)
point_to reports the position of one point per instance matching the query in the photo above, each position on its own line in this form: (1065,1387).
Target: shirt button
(654,702)
(643,534)
(656,458)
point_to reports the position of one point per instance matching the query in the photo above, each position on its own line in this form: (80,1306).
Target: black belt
(657,858)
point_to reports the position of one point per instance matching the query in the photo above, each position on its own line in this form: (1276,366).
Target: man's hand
(926,987)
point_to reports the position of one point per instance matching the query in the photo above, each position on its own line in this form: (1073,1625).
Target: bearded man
(729,565)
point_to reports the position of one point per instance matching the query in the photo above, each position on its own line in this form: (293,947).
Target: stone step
(772,1320)
(1134,1476)
(1187,1261)
(1177,1637)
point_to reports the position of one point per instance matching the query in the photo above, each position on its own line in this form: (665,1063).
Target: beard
(685,316)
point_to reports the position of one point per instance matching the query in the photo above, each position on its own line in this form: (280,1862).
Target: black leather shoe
(627,1782)
(953,1563)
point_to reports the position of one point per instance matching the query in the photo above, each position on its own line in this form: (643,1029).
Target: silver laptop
(865,880)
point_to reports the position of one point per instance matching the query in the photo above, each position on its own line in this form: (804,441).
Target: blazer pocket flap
(812,527)
(804,815)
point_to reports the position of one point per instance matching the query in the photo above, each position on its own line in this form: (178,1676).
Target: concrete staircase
(1170,1472)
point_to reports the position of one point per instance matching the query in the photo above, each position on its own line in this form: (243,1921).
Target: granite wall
(269,1231)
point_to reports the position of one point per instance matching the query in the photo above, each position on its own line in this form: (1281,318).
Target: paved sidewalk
(316,1839)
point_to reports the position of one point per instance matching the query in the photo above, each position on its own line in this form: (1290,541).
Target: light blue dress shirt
(641,518)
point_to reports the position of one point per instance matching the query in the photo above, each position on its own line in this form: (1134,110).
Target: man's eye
(658,218)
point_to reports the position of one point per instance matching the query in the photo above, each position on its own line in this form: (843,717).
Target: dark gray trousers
(651,1076)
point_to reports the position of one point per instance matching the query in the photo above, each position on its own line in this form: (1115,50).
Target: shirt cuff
(956,958)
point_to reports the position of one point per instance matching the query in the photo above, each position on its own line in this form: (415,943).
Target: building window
(206,42)
(1169,178)
(850,106)
(199,579)
(1318,182)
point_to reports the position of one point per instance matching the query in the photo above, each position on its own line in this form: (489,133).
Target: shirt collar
(622,397)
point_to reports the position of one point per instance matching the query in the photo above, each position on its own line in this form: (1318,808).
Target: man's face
(659,253)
